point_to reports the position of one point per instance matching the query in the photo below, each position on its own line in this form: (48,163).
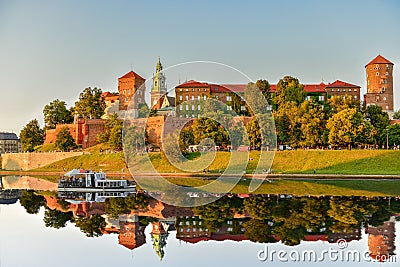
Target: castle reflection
(257,218)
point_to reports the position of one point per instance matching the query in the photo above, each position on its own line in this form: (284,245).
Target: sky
(54,49)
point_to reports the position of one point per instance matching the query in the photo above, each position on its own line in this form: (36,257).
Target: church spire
(159,66)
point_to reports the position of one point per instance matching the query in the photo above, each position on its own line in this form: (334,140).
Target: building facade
(340,88)
(379,74)
(10,143)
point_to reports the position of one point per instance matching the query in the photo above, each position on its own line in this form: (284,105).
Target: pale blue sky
(54,49)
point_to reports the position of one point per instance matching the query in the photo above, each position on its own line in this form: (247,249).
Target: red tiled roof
(132,74)
(379,60)
(309,88)
(193,83)
(339,83)
(194,240)
(238,88)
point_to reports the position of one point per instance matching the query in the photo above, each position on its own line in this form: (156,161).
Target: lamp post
(387,138)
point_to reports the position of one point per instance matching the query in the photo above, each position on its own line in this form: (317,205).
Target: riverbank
(323,162)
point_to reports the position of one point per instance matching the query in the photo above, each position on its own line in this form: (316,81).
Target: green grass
(299,188)
(300,161)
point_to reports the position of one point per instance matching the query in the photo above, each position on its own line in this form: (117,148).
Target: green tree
(112,134)
(56,112)
(258,231)
(31,201)
(287,123)
(90,104)
(289,89)
(396,115)
(92,225)
(265,88)
(144,110)
(378,118)
(348,128)
(57,219)
(186,138)
(393,135)
(31,136)
(64,140)
(209,128)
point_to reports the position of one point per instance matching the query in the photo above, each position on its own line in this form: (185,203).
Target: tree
(90,105)
(339,103)
(287,123)
(31,136)
(254,133)
(393,135)
(396,115)
(209,128)
(57,219)
(348,128)
(312,124)
(258,231)
(31,202)
(92,225)
(265,89)
(56,112)
(378,118)
(186,138)
(289,89)
(64,140)
(143,110)
(112,134)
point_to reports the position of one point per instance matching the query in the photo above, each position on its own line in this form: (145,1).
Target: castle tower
(127,87)
(380,83)
(159,88)
(381,240)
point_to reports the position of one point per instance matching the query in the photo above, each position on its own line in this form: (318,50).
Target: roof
(8,136)
(132,74)
(215,88)
(339,83)
(309,88)
(379,60)
(193,83)
(238,88)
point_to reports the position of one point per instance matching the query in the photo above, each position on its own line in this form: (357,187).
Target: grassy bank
(300,161)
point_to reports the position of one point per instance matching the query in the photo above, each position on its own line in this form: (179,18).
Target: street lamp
(387,138)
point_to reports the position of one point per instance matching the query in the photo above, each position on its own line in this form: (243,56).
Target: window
(377,74)
(242,108)
(216,97)
(198,98)
(228,108)
(308,97)
(193,90)
(387,73)
(205,89)
(355,89)
(338,90)
(155,83)
(180,97)
(205,97)
(187,107)
(384,99)
(126,99)
(332,90)
(349,90)
(355,97)
(192,97)
(187,97)
(387,107)
(192,107)
(383,89)
(228,98)
(321,98)
(180,107)
(180,89)
(198,107)
(187,90)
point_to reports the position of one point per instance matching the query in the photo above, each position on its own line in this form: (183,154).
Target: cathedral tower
(159,88)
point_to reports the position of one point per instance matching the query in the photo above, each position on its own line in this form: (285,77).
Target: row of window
(228,107)
(198,89)
(228,97)
(344,90)
(320,98)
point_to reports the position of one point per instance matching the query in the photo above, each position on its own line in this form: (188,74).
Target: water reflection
(284,219)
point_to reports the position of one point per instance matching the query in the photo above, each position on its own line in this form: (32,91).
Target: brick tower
(380,83)
(127,87)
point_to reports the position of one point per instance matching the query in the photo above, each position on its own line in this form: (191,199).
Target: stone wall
(29,161)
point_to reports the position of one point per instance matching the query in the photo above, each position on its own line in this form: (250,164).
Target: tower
(127,87)
(159,236)
(380,83)
(159,88)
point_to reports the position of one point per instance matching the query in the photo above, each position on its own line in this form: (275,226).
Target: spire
(159,66)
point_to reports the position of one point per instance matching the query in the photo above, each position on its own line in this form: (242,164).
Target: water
(39,228)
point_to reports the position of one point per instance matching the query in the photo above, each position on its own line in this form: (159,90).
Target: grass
(299,161)
(299,188)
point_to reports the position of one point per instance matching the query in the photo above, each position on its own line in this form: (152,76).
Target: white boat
(89,181)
